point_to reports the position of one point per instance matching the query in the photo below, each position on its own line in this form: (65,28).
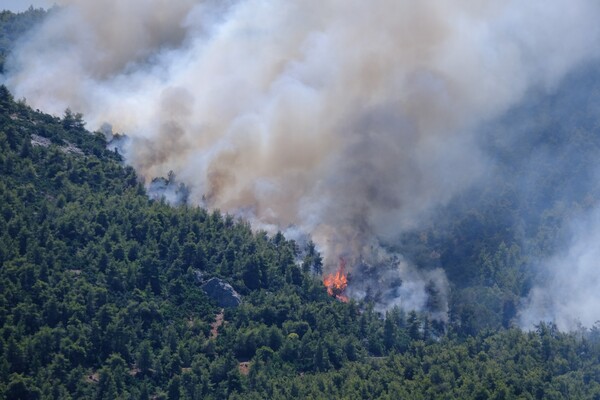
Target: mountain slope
(100,299)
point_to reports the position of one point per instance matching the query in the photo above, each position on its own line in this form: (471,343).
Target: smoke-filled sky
(349,120)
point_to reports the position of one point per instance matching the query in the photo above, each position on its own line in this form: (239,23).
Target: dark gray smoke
(348,120)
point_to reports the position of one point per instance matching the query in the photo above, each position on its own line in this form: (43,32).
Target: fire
(336,283)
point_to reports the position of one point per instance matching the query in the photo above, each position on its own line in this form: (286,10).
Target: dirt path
(214,327)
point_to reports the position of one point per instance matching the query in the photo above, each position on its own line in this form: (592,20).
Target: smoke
(547,151)
(568,294)
(349,120)
(168,190)
(390,280)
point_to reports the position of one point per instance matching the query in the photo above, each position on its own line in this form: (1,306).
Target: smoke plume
(568,292)
(349,120)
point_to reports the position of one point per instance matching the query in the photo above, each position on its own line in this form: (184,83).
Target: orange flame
(336,283)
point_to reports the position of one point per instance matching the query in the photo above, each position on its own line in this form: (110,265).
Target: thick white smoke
(348,119)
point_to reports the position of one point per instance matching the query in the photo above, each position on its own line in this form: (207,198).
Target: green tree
(144,357)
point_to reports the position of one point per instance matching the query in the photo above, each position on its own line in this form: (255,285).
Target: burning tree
(337,283)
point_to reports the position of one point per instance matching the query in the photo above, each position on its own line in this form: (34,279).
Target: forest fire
(336,283)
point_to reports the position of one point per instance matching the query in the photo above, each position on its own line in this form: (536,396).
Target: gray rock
(222,292)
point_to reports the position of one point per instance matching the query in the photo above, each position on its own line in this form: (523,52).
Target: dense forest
(101,299)
(102,286)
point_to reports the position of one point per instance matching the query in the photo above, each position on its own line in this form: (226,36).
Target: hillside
(100,299)
(114,286)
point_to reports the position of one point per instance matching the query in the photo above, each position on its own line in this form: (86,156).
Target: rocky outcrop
(222,292)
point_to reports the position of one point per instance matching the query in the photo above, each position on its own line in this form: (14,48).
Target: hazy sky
(22,5)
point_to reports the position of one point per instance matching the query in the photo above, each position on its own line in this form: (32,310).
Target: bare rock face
(222,292)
